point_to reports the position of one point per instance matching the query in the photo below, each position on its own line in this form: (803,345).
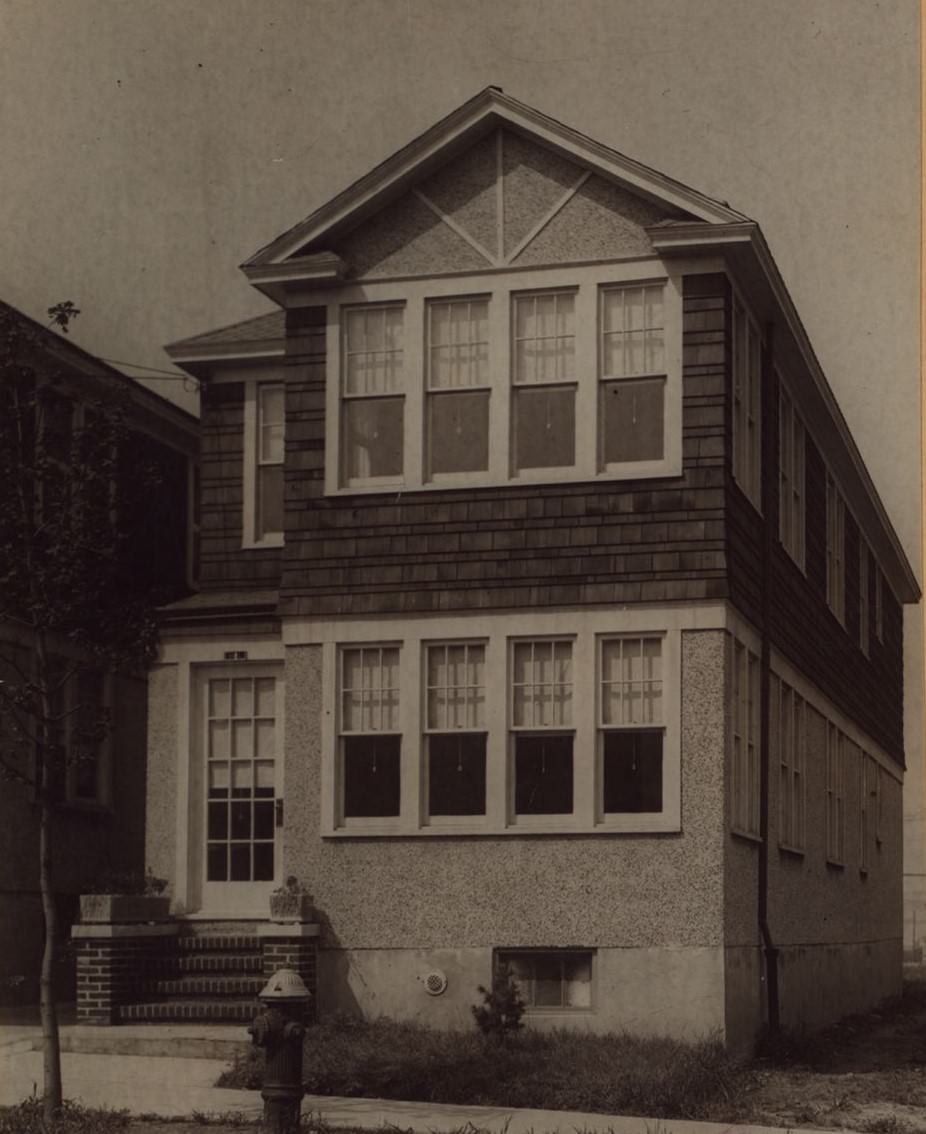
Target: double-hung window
(632,376)
(458,386)
(745,756)
(864,606)
(835,549)
(544,380)
(879,604)
(373,395)
(869,787)
(835,795)
(747,440)
(791,483)
(455,729)
(541,725)
(371,736)
(269,495)
(792,762)
(631,724)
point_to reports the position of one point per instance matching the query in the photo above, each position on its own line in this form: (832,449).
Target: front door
(240,809)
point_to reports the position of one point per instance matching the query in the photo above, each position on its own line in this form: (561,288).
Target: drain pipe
(770,951)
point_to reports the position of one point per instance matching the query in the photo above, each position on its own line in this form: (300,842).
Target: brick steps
(211,1011)
(217,985)
(238,963)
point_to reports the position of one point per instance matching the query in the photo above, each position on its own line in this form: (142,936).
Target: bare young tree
(69,605)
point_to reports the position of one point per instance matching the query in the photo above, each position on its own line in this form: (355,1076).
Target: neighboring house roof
(150,406)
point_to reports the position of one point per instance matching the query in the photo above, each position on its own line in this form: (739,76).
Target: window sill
(790,851)
(642,470)
(528,826)
(262,544)
(746,836)
(833,865)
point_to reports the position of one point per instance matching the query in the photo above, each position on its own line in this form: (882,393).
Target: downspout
(768,394)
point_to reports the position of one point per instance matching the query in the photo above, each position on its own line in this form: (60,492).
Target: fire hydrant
(279,1029)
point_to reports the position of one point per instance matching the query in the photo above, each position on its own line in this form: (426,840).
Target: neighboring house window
(458,387)
(747,440)
(864,609)
(455,729)
(835,795)
(632,375)
(835,549)
(631,708)
(541,718)
(80,727)
(371,738)
(550,979)
(373,395)
(490,735)
(792,763)
(745,763)
(791,485)
(544,380)
(869,790)
(879,604)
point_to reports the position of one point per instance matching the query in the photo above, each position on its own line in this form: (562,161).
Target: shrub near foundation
(610,1074)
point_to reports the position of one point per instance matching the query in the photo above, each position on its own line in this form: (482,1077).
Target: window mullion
(415,378)
(500,380)
(586,373)
(496,679)
(584,717)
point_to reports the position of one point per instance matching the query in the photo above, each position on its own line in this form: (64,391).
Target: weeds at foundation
(27,1118)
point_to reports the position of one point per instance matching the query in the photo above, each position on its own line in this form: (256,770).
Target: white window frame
(250,537)
(746,366)
(500,288)
(864,606)
(792,482)
(835,795)
(792,761)
(835,549)
(744,755)
(498,632)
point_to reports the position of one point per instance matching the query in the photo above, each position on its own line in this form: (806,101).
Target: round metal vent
(435,982)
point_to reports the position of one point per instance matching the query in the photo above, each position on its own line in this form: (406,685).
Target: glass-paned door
(242,719)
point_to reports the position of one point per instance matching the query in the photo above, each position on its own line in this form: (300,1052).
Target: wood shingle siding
(525,545)
(224,563)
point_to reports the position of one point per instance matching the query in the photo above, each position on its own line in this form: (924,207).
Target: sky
(150,146)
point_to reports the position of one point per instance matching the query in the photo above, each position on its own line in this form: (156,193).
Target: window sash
(455,701)
(543,336)
(632,331)
(372,704)
(373,348)
(630,695)
(542,698)
(835,795)
(791,482)
(792,762)
(746,365)
(458,344)
(745,762)
(537,974)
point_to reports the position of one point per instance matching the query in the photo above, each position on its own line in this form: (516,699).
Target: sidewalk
(172,1087)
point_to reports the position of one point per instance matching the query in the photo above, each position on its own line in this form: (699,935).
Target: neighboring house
(547,614)
(100,818)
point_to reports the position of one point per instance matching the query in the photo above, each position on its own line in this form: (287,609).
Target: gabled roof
(487,111)
(261,336)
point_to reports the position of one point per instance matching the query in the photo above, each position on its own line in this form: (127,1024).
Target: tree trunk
(49,1011)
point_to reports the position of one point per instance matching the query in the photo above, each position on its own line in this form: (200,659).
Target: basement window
(550,980)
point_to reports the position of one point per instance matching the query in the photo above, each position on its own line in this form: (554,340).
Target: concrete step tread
(212,964)
(207,943)
(204,986)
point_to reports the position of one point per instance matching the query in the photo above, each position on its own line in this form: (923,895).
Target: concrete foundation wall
(657,992)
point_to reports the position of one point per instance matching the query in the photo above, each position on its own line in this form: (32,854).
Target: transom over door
(241,758)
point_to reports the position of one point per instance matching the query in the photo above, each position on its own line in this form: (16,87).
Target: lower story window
(371,743)
(558,978)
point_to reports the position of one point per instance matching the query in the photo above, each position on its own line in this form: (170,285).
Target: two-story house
(547,615)
(99,801)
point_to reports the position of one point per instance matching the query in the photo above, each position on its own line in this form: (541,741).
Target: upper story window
(632,372)
(544,381)
(879,604)
(498,734)
(574,374)
(747,424)
(458,387)
(791,479)
(264,431)
(835,549)
(374,383)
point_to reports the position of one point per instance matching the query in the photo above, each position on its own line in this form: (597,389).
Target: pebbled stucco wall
(161,827)
(482,892)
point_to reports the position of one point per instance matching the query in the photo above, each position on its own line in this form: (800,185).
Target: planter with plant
(125,897)
(292,902)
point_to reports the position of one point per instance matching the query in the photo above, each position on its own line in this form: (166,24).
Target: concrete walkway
(166,1082)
